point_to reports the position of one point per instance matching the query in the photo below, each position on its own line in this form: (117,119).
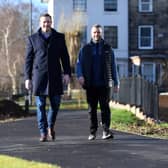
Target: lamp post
(136,60)
(30,32)
(30,18)
(28,96)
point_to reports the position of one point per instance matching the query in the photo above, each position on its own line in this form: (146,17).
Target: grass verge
(13,162)
(124,120)
(71,105)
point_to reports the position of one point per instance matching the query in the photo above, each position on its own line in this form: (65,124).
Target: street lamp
(30,18)
(136,60)
(29,94)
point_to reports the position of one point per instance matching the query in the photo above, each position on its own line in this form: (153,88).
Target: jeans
(47,119)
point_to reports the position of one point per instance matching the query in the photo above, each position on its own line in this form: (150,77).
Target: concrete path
(71,149)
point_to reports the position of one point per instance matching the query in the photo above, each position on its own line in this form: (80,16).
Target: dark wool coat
(44,63)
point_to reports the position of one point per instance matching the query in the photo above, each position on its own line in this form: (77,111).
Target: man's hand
(66,79)
(28,84)
(81,80)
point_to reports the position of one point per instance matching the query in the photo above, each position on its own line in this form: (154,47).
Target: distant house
(111,14)
(148,38)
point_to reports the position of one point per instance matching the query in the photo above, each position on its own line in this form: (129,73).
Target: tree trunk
(9,70)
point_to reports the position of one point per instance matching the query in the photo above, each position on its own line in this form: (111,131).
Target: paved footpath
(71,149)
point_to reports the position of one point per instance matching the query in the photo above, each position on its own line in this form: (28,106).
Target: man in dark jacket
(46,56)
(96,72)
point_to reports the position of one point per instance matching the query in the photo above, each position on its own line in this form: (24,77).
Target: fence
(134,91)
(138,92)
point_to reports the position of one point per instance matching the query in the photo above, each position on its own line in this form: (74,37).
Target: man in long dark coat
(47,68)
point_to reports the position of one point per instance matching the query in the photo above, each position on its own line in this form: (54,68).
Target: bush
(10,109)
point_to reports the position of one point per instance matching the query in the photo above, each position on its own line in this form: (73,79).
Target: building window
(111,35)
(148,71)
(145,37)
(79,5)
(110,5)
(145,5)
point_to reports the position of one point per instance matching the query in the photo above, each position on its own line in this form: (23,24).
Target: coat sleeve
(65,59)
(29,57)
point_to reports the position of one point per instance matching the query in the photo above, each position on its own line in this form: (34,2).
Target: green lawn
(69,105)
(123,117)
(73,105)
(13,162)
(124,120)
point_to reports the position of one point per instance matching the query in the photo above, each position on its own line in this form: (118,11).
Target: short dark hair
(97,26)
(45,15)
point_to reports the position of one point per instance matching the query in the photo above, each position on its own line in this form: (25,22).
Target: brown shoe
(43,138)
(51,134)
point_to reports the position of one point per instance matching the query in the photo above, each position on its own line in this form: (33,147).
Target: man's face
(96,34)
(45,24)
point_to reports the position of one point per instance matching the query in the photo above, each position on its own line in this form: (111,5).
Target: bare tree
(12,34)
(73,29)
(14,29)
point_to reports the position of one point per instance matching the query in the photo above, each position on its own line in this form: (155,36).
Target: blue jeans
(47,119)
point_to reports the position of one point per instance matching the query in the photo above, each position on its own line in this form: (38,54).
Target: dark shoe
(43,138)
(107,135)
(51,134)
(92,137)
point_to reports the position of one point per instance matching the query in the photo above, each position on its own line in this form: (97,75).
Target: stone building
(148,39)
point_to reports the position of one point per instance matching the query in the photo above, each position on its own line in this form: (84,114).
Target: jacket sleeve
(78,65)
(29,57)
(114,71)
